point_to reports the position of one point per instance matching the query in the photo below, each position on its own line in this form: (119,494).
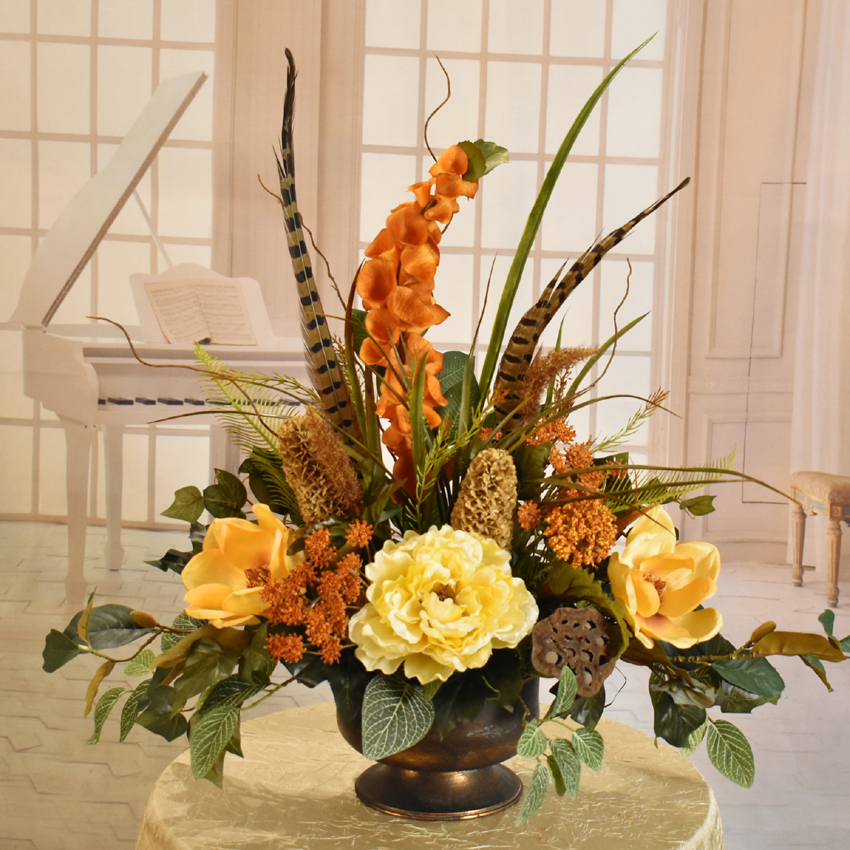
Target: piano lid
(70,243)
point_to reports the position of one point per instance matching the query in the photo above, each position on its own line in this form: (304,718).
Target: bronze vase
(456,778)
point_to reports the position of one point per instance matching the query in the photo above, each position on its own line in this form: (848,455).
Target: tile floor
(57,793)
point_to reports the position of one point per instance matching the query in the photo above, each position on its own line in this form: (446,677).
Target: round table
(295,789)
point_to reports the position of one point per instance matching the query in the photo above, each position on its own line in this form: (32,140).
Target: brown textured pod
(487,499)
(318,469)
(579,638)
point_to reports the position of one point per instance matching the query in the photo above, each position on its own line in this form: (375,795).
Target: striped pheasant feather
(523,342)
(319,354)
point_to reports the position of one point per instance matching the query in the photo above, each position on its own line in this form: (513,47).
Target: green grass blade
(533,224)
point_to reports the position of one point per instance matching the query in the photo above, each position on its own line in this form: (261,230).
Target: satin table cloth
(294,790)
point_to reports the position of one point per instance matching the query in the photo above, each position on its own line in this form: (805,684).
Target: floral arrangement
(426,540)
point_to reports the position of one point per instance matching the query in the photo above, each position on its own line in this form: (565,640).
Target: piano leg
(78,440)
(113,450)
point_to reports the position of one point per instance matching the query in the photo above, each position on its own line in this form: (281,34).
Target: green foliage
(206,665)
(533,742)
(185,624)
(268,483)
(565,694)
(226,497)
(730,753)
(589,747)
(160,712)
(568,766)
(348,680)
(104,706)
(535,794)
(674,722)
(59,649)
(132,708)
(693,740)
(698,505)
(256,665)
(395,716)
(827,620)
(210,733)
(588,710)
(188,505)
(756,675)
(141,664)
(452,386)
(483,158)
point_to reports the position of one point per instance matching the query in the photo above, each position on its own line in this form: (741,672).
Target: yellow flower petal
(646,595)
(678,602)
(654,521)
(212,567)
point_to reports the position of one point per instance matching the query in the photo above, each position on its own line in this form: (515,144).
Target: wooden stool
(829,495)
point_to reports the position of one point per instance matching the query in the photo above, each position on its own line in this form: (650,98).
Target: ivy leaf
(210,732)
(693,740)
(565,695)
(132,708)
(569,765)
(104,705)
(395,716)
(533,742)
(756,675)
(188,505)
(589,747)
(141,664)
(730,753)
(226,497)
(535,794)
(698,506)
(459,700)
(502,674)
(233,692)
(555,774)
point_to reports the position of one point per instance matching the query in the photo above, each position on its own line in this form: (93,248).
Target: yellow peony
(224,581)
(440,602)
(660,583)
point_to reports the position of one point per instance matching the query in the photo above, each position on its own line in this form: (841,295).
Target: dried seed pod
(579,638)
(487,499)
(318,469)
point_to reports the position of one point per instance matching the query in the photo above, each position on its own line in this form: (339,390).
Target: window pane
(577,28)
(188,20)
(506,196)
(626,376)
(15,15)
(634,21)
(123,87)
(454,26)
(384,179)
(196,123)
(634,113)
(516,26)
(639,301)
(524,296)
(15,103)
(64,17)
(393,23)
(569,88)
(64,88)
(458,119)
(569,226)
(628,190)
(125,19)
(455,292)
(391,101)
(513,105)
(16,197)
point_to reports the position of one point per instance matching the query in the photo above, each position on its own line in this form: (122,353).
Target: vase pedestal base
(437,795)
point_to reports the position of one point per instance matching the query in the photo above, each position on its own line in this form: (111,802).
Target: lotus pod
(318,469)
(581,638)
(487,499)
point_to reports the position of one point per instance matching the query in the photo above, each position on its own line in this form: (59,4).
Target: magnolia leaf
(533,742)
(102,672)
(395,716)
(588,710)
(161,713)
(566,694)
(188,505)
(797,643)
(762,630)
(756,675)
(141,664)
(109,626)
(104,705)
(59,649)
(693,740)
(730,753)
(534,794)
(132,708)
(589,747)
(674,722)
(85,617)
(569,765)
(206,664)
(827,620)
(210,732)
(814,664)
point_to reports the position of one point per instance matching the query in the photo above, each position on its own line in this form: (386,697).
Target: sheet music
(201,310)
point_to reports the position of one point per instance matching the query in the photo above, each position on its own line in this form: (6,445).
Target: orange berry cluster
(396,284)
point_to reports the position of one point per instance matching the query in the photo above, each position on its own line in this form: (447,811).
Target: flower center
(443,593)
(659,585)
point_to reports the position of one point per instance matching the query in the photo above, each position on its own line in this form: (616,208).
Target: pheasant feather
(322,366)
(523,342)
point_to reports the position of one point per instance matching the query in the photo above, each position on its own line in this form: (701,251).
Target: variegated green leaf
(104,706)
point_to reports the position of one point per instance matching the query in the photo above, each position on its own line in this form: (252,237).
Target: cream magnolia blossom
(440,602)
(217,578)
(660,583)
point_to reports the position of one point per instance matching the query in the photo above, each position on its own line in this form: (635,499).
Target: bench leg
(799,517)
(833,550)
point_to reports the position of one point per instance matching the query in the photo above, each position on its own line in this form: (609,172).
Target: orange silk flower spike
(396,284)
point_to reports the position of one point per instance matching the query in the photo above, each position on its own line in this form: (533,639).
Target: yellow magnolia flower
(440,602)
(226,579)
(660,583)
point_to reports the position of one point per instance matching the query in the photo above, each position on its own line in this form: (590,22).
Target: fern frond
(631,427)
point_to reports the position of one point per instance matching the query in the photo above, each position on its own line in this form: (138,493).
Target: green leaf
(730,753)
(675,722)
(210,732)
(566,694)
(206,665)
(141,664)
(532,225)
(699,505)
(756,675)
(132,708)
(186,624)
(268,483)
(451,384)
(395,716)
(104,705)
(429,690)
(256,665)
(533,742)
(845,643)
(226,497)
(418,423)
(827,620)
(348,679)
(816,665)
(735,700)
(59,649)
(587,711)
(159,715)
(589,747)
(110,626)
(569,765)
(555,774)
(535,794)
(459,700)
(483,158)
(188,505)
(83,622)
(693,740)
(502,675)
(233,692)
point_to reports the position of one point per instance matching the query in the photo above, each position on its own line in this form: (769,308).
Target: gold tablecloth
(294,790)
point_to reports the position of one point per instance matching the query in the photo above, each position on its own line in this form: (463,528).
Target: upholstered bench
(829,495)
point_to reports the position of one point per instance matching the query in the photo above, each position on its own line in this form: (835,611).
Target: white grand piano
(93,383)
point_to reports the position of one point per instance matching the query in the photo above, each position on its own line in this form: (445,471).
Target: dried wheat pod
(579,638)
(487,499)
(318,469)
